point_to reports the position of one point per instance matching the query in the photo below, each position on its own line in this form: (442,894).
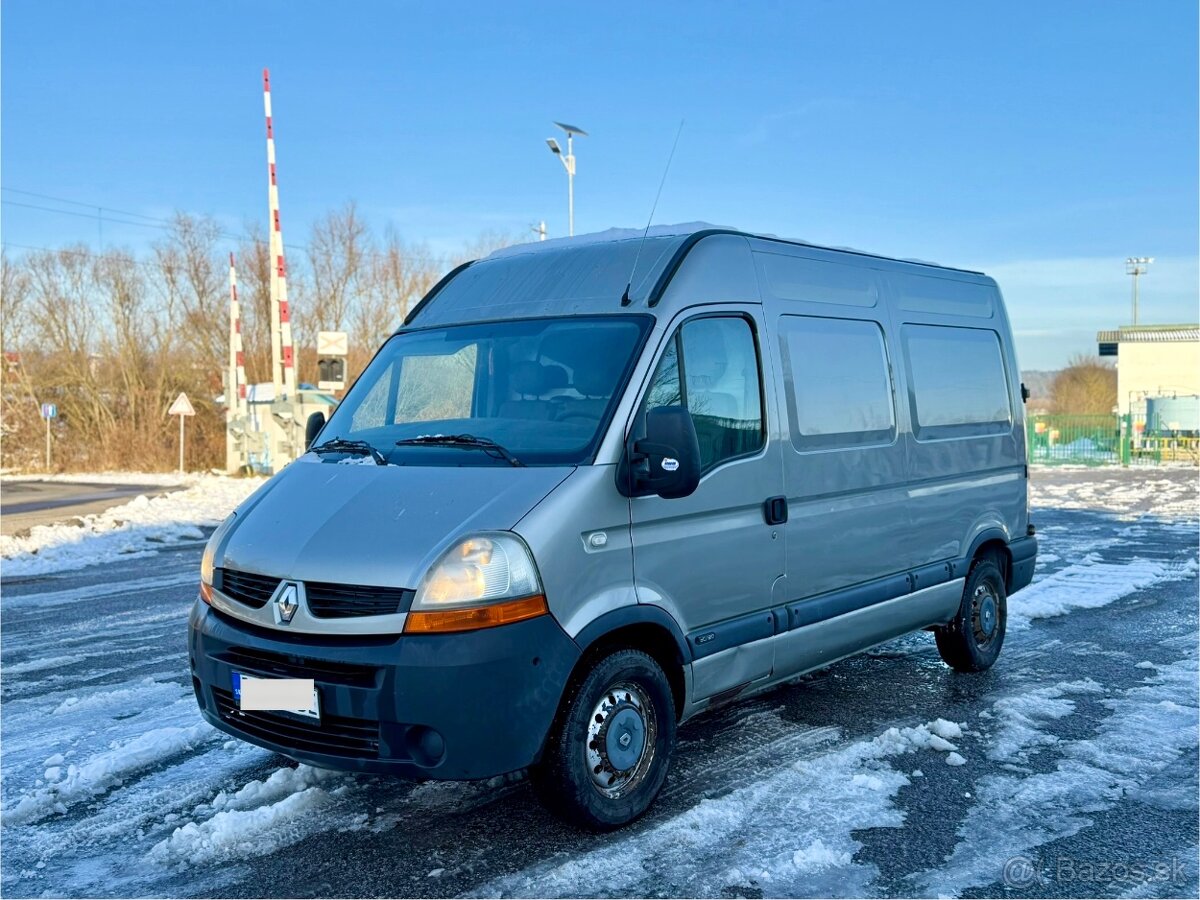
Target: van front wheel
(610,747)
(972,641)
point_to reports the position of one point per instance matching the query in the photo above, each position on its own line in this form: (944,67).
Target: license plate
(285,695)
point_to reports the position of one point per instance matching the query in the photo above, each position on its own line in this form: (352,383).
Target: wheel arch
(650,629)
(992,543)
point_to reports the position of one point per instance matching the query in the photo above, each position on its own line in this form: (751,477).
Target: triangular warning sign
(181,407)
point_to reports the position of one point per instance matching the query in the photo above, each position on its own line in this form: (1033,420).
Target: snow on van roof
(682,230)
(605,237)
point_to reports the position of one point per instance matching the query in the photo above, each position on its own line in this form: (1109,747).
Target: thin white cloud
(1057,305)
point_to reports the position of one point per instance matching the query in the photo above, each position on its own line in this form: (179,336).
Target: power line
(168,225)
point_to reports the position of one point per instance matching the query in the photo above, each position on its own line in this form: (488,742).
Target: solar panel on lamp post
(568,161)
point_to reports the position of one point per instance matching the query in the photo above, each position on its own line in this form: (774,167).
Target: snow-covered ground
(886,775)
(140,527)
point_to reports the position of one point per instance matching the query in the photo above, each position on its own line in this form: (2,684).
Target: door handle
(775,510)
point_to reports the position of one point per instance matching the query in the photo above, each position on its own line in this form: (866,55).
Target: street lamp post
(1136,266)
(568,162)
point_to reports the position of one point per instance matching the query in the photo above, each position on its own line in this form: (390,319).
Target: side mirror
(667,460)
(313,427)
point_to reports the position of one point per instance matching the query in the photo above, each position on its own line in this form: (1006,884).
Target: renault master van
(591,488)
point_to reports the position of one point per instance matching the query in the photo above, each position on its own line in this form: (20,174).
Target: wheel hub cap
(987,615)
(620,741)
(624,738)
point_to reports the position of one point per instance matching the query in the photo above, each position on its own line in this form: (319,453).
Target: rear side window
(957,383)
(838,387)
(719,384)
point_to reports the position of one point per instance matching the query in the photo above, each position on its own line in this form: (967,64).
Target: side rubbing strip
(823,607)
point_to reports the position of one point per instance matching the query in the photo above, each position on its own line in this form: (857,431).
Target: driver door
(712,559)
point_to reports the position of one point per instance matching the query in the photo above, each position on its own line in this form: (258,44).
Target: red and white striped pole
(283,371)
(236,390)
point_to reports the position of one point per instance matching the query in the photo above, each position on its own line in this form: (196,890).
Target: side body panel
(959,485)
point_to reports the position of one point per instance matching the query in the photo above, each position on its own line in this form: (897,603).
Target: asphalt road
(1080,773)
(24,504)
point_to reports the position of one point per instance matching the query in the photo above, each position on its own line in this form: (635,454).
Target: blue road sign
(49,411)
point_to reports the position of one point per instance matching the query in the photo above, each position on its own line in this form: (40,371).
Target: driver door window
(711,367)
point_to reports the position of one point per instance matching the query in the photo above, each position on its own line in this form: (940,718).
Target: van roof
(586,274)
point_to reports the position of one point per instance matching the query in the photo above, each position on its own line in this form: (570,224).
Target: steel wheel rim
(623,718)
(985,615)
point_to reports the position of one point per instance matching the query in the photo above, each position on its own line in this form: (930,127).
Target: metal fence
(1106,440)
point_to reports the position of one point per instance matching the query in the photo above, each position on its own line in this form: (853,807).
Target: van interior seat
(594,382)
(531,380)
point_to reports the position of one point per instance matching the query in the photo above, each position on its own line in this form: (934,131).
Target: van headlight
(210,553)
(482,581)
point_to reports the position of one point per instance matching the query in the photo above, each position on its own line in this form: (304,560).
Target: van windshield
(542,389)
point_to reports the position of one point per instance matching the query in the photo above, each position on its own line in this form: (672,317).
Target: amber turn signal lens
(435,621)
(206,593)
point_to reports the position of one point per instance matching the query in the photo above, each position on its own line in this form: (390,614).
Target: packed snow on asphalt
(1069,769)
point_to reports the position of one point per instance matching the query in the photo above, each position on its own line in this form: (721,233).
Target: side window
(838,387)
(711,367)
(958,386)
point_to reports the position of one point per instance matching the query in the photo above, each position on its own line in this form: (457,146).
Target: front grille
(338,601)
(264,662)
(333,735)
(246,587)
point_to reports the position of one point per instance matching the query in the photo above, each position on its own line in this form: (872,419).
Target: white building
(1152,361)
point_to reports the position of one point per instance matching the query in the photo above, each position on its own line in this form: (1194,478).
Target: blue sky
(1042,142)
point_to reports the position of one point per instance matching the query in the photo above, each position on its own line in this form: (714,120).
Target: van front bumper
(445,706)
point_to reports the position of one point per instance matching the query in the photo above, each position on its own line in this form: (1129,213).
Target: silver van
(592,488)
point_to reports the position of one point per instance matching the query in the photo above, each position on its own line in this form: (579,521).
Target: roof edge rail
(434,291)
(664,278)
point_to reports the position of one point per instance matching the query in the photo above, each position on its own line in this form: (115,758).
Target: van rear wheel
(610,747)
(973,640)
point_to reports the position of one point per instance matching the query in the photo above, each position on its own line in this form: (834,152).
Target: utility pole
(568,162)
(1136,266)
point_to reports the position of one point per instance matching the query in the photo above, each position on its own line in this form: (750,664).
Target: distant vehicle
(567,507)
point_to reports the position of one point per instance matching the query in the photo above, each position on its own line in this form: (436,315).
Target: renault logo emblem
(286,602)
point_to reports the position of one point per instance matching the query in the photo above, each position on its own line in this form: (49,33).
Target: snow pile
(1091,584)
(136,528)
(103,771)
(787,834)
(239,833)
(165,479)
(281,783)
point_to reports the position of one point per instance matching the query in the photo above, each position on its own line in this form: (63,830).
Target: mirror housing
(666,461)
(312,428)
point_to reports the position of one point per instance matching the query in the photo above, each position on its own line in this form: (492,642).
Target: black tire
(601,711)
(973,640)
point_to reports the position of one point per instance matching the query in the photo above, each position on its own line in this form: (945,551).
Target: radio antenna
(625,300)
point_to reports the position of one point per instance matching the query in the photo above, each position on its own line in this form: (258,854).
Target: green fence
(1105,440)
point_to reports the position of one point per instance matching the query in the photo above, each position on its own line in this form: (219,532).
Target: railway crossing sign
(332,349)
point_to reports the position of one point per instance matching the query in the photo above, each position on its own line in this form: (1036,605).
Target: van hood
(374,525)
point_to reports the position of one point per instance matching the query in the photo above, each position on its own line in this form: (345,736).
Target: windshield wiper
(466,441)
(341,445)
